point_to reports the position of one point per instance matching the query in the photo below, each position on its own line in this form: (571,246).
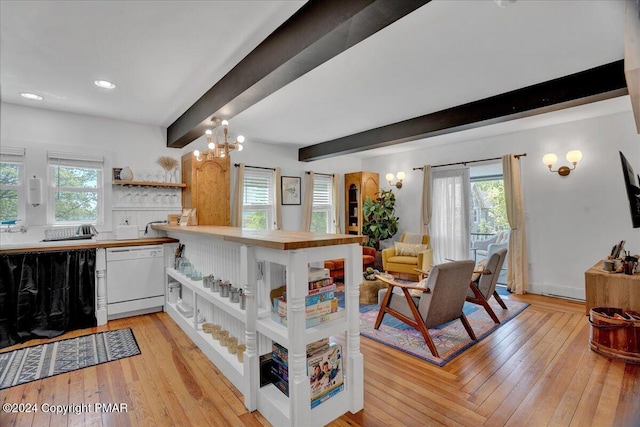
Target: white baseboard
(557,291)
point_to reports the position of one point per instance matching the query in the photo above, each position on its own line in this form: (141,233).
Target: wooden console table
(617,290)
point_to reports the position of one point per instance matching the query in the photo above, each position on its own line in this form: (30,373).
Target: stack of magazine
(321,304)
(324,368)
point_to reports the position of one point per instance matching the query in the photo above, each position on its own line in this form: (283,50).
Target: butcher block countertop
(66,245)
(274,239)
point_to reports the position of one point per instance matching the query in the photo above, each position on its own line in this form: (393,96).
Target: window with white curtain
(75,188)
(322,215)
(12,189)
(450,215)
(257,205)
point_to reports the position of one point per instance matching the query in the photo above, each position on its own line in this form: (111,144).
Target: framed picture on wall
(290,186)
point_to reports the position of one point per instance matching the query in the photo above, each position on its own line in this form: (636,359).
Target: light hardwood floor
(536,370)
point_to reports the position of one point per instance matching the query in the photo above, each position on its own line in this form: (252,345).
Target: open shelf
(149,184)
(209,296)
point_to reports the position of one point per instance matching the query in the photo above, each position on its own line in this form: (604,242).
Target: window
(488,201)
(12,193)
(257,209)
(322,216)
(76,188)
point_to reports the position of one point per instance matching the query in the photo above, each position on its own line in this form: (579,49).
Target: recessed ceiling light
(31,96)
(104,84)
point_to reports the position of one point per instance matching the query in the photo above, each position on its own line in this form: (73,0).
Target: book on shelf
(311,311)
(324,368)
(311,322)
(318,273)
(327,288)
(320,284)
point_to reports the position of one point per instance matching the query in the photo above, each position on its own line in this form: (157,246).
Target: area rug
(451,339)
(46,360)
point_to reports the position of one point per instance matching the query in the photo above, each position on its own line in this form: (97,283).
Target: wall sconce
(390,177)
(573,156)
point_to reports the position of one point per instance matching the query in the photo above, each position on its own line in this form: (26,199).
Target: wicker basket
(613,337)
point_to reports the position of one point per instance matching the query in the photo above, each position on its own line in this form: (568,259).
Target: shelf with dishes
(149,184)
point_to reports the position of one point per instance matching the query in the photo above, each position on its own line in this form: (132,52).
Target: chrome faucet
(14,229)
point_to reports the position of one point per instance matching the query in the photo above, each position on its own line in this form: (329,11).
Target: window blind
(258,187)
(322,190)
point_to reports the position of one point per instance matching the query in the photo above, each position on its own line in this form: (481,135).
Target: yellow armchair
(393,262)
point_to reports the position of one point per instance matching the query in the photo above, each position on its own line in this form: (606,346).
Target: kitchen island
(259,261)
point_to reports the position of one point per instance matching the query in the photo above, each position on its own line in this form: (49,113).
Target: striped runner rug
(46,360)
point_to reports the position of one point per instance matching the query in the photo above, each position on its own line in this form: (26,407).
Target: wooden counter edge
(273,239)
(92,244)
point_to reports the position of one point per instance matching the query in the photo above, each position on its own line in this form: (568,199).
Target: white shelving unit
(235,254)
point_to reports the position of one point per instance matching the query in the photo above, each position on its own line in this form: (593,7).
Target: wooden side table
(369,290)
(616,290)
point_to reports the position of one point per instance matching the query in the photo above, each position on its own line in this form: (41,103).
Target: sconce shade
(549,159)
(574,156)
(400,175)
(389,177)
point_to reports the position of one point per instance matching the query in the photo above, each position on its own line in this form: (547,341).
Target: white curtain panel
(335,200)
(277,204)
(518,272)
(425,212)
(450,215)
(307,201)
(238,197)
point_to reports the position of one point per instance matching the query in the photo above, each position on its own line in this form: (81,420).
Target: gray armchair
(440,301)
(481,290)
(485,248)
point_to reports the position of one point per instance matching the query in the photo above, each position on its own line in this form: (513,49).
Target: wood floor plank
(628,408)
(537,369)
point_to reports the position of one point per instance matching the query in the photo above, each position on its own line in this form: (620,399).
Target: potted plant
(379,220)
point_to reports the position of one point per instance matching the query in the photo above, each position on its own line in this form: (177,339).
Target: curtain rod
(517,156)
(317,173)
(254,167)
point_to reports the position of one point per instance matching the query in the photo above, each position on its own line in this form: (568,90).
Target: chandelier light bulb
(240,147)
(240,139)
(196,153)
(225,123)
(211,145)
(208,132)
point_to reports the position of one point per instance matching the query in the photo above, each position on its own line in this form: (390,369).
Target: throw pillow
(408,249)
(421,284)
(480,266)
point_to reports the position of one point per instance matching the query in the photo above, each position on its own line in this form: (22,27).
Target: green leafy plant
(379,220)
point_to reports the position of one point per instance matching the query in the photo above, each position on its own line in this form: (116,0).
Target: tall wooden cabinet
(208,189)
(357,187)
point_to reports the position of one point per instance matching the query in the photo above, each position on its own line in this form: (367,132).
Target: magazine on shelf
(325,370)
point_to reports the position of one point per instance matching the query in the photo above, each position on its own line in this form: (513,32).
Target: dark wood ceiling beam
(596,84)
(319,31)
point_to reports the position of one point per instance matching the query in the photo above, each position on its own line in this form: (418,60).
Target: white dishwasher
(135,280)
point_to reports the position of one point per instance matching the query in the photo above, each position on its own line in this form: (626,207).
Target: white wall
(122,144)
(572,221)
(137,146)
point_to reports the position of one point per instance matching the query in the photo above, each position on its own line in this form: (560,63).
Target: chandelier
(221,147)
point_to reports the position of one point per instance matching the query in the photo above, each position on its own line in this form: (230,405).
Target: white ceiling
(164,55)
